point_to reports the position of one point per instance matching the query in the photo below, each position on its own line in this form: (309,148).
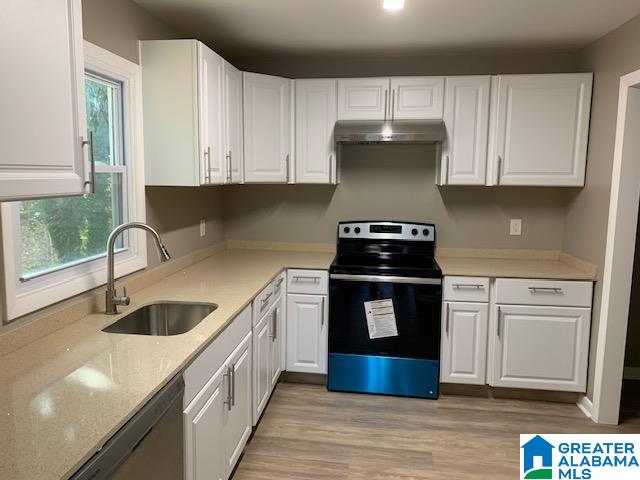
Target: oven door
(402,364)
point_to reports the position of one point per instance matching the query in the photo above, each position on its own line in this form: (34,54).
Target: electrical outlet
(515,227)
(203,227)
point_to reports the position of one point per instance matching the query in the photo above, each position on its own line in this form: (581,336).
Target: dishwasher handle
(122,444)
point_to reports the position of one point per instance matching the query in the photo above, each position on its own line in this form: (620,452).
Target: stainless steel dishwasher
(149,446)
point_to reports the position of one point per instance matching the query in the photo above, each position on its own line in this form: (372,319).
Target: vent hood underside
(397,131)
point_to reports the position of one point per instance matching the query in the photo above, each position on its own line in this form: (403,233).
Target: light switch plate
(203,227)
(515,227)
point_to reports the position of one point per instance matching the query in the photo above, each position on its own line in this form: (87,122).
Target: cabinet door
(267,125)
(363,98)
(464,343)
(541,128)
(541,347)
(316,116)
(203,420)
(210,103)
(277,326)
(42,124)
(466,116)
(261,365)
(237,419)
(234,148)
(416,98)
(307,318)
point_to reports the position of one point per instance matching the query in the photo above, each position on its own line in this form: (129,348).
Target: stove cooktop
(401,266)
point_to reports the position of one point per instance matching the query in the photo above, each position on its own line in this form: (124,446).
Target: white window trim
(40,292)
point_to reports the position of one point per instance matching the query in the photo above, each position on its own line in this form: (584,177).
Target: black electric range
(385,296)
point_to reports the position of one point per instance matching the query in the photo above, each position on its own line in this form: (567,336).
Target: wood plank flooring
(308,433)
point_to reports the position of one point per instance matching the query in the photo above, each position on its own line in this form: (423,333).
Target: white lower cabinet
(261,365)
(237,422)
(217,416)
(464,343)
(519,333)
(541,347)
(307,319)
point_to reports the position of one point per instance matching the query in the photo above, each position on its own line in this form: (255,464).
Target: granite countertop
(65,394)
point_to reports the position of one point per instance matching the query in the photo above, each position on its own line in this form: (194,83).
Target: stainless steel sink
(162,319)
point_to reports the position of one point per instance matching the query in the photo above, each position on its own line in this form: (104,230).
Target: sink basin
(162,319)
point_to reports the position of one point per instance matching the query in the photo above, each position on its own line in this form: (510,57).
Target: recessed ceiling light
(393,4)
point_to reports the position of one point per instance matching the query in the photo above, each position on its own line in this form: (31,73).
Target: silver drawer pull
(266,298)
(545,289)
(468,285)
(279,282)
(298,278)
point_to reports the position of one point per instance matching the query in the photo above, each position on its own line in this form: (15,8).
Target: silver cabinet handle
(229,172)
(499,168)
(207,165)
(446,316)
(233,385)
(322,312)
(393,104)
(386,102)
(446,170)
(468,285)
(298,278)
(227,402)
(498,323)
(274,323)
(331,168)
(92,164)
(287,159)
(279,282)
(267,297)
(545,289)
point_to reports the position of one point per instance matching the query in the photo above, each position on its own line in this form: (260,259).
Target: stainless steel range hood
(397,131)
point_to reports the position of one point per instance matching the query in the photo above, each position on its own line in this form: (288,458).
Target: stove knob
(357,230)
(346,230)
(425,232)
(414,231)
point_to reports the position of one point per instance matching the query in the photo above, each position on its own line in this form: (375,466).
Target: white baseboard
(632,373)
(585,405)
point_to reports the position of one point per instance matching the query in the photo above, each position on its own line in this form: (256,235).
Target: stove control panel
(387,231)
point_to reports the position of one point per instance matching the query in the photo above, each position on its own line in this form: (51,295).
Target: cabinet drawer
(279,285)
(308,281)
(543,292)
(214,355)
(261,303)
(466,289)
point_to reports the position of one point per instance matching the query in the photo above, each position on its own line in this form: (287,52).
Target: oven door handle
(385,279)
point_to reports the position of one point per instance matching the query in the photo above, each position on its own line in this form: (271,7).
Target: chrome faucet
(113,299)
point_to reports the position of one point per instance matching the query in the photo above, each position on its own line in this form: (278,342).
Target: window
(58,246)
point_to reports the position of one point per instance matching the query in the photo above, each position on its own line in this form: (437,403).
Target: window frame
(39,291)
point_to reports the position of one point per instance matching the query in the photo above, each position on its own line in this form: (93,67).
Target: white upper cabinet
(210,108)
(42,124)
(234,147)
(363,98)
(192,115)
(466,117)
(267,128)
(315,118)
(416,98)
(540,125)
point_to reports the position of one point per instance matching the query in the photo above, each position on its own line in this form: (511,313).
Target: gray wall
(609,58)
(396,182)
(117,25)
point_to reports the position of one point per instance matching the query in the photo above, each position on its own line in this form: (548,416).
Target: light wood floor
(308,433)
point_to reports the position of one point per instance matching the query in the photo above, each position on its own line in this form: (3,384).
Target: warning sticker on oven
(381,318)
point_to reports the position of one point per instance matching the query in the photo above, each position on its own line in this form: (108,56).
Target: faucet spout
(112,299)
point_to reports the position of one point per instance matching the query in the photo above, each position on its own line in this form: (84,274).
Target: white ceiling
(244,27)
